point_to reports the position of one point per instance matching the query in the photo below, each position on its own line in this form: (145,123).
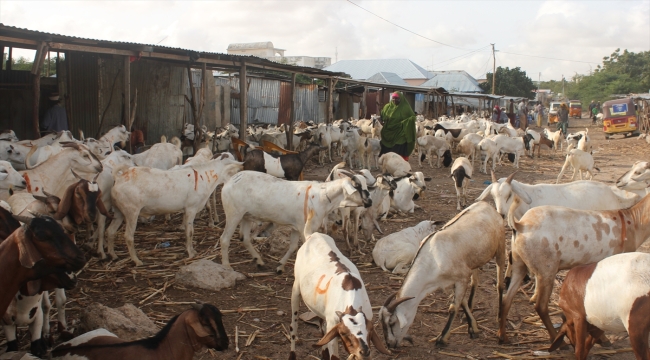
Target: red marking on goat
(188,175)
(623,230)
(305,206)
(196,179)
(318,289)
(28,182)
(36,189)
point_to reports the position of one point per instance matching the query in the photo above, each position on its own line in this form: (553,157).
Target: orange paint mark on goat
(318,289)
(27,182)
(196,179)
(306,205)
(36,189)
(623,230)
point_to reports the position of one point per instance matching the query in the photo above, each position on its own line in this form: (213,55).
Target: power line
(463,55)
(403,28)
(546,57)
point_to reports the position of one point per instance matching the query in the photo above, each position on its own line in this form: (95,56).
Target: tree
(25,64)
(510,82)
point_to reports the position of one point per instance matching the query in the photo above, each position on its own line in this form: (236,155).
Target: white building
(266,50)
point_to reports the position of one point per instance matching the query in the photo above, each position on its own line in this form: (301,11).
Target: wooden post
(243,102)
(364,104)
(453,107)
(47,74)
(292,117)
(9,56)
(330,102)
(2,52)
(36,87)
(127,91)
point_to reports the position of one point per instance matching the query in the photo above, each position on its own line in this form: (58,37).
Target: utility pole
(494,69)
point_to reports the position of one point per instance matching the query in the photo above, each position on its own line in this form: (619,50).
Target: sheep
(557,137)
(394,165)
(147,191)
(553,238)
(580,161)
(302,205)
(430,144)
(397,250)
(331,287)
(460,170)
(585,195)
(9,179)
(448,257)
(610,295)
(466,147)
(180,339)
(288,166)
(489,151)
(162,156)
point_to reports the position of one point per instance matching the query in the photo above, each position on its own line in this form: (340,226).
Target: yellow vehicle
(552,112)
(575,109)
(619,117)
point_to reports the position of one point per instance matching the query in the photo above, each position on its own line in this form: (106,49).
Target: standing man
(592,105)
(511,112)
(398,133)
(539,110)
(563,118)
(55,118)
(523,122)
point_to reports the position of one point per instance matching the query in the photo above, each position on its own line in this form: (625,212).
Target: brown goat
(33,251)
(543,140)
(81,202)
(183,335)
(7,223)
(283,166)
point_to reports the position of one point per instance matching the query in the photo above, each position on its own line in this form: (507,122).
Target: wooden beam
(36,74)
(292,117)
(330,102)
(36,65)
(18,40)
(127,91)
(243,102)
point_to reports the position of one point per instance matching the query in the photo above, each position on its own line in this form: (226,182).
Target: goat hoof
(606,343)
(138,263)
(279,270)
(440,342)
(474,335)
(38,348)
(261,267)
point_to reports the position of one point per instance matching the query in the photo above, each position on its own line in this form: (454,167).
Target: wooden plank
(127,91)
(330,91)
(243,102)
(292,118)
(18,40)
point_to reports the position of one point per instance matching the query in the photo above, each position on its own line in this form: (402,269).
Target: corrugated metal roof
(453,80)
(387,78)
(364,69)
(254,45)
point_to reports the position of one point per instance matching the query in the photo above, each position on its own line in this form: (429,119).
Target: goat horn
(390,299)
(75,175)
(23,219)
(510,177)
(95,178)
(494,177)
(393,305)
(40,198)
(47,193)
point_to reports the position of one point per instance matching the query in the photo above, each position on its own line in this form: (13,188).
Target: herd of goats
(51,186)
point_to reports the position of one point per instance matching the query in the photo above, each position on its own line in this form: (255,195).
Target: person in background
(55,118)
(594,115)
(539,110)
(592,105)
(496,113)
(398,133)
(511,112)
(522,111)
(137,140)
(503,117)
(563,118)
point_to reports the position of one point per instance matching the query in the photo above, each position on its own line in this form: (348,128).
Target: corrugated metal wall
(264,100)
(83,92)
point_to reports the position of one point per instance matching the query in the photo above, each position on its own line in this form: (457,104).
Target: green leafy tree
(510,82)
(25,64)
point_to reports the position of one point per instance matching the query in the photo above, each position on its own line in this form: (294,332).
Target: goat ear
(27,252)
(375,339)
(485,193)
(349,189)
(402,319)
(31,288)
(196,325)
(66,202)
(329,336)
(521,193)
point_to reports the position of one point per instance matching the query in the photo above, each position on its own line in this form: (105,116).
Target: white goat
(331,287)
(397,250)
(511,145)
(147,191)
(394,165)
(303,205)
(580,161)
(162,156)
(9,179)
(557,137)
(637,179)
(448,258)
(489,151)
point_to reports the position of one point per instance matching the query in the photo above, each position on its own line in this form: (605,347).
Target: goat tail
(119,169)
(163,139)
(29,155)
(176,141)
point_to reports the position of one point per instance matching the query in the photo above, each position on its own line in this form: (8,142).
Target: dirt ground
(259,307)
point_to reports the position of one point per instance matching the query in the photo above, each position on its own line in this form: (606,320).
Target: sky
(437,35)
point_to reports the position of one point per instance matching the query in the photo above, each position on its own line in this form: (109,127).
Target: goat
(370,148)
(9,179)
(557,137)
(330,285)
(460,170)
(25,156)
(180,339)
(448,257)
(543,140)
(534,140)
(580,140)
(281,166)
(610,295)
(636,179)
(428,144)
(146,191)
(401,199)
(456,134)
(553,238)
(397,250)
(489,151)
(302,205)
(116,136)
(41,240)
(394,165)
(514,198)
(512,145)
(8,135)
(466,148)
(162,156)
(580,161)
